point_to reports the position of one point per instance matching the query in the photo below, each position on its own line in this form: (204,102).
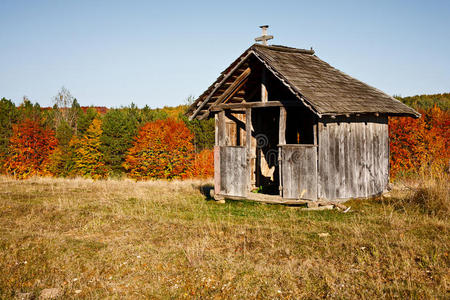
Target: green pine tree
(119,128)
(8,116)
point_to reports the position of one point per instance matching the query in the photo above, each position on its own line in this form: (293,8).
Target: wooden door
(233,171)
(299,171)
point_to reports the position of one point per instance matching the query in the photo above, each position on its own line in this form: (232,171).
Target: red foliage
(30,148)
(162,149)
(99,109)
(203,164)
(420,145)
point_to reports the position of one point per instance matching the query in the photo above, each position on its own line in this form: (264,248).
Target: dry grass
(121,239)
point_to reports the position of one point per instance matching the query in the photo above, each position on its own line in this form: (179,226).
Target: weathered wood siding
(299,171)
(233,171)
(353,157)
(216,169)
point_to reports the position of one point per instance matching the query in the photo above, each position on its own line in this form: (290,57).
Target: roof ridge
(281,48)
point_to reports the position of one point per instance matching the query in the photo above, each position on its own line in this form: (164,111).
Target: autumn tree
(88,158)
(30,148)
(31,111)
(85,118)
(162,149)
(119,129)
(145,114)
(420,146)
(9,115)
(203,164)
(203,131)
(65,109)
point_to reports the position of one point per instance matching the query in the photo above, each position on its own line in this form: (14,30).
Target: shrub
(162,149)
(203,164)
(420,145)
(30,148)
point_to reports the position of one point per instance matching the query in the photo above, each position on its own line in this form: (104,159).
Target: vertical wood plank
(331,186)
(359,165)
(281,141)
(369,157)
(216,129)
(248,145)
(341,136)
(217,179)
(386,153)
(222,129)
(323,160)
(343,159)
(264,93)
(282,126)
(378,171)
(351,159)
(315,132)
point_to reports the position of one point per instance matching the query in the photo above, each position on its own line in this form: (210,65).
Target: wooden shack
(289,124)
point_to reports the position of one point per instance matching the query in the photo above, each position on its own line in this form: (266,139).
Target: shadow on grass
(206,190)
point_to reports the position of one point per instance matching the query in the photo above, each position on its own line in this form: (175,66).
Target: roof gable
(322,88)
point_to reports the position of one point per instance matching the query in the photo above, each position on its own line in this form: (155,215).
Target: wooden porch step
(264,198)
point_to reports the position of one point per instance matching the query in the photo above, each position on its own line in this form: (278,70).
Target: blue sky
(110,53)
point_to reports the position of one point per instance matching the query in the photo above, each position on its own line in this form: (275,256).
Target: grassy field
(121,239)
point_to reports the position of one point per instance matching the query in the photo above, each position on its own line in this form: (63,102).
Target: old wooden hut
(291,125)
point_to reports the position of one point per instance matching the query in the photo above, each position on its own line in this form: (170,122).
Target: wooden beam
(234,87)
(230,91)
(239,64)
(220,107)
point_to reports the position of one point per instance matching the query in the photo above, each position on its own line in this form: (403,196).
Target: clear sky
(110,53)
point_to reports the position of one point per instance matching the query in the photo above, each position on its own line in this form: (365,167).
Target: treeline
(426,102)
(68,140)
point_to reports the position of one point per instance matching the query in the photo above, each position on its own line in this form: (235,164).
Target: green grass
(121,239)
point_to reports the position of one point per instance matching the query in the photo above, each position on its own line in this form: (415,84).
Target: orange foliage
(203,164)
(88,160)
(162,149)
(30,148)
(420,145)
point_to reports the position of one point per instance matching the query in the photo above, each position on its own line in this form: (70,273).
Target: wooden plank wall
(235,129)
(233,171)
(299,169)
(353,159)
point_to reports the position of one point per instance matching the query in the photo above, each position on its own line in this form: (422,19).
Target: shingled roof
(322,88)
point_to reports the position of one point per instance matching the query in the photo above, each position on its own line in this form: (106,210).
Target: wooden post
(281,141)
(216,130)
(282,126)
(315,133)
(264,94)
(222,130)
(217,177)
(248,144)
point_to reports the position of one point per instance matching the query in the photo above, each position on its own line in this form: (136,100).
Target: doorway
(265,169)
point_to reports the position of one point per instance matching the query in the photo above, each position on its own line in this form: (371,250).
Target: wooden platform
(264,198)
(275,199)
